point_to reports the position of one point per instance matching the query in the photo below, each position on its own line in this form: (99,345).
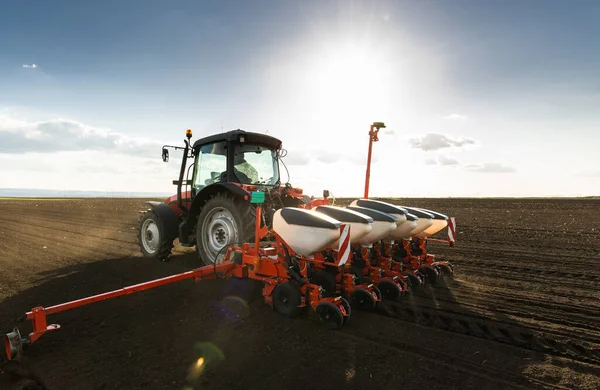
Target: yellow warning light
(188,133)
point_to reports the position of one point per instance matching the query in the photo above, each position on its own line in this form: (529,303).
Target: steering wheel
(216,177)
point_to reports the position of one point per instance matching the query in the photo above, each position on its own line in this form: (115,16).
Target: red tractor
(215,211)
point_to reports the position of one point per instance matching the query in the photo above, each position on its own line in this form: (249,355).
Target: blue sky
(481,98)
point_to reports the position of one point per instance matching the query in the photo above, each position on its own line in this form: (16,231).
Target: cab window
(211,164)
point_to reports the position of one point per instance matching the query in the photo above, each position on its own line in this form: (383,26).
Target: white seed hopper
(383,225)
(360,224)
(439,222)
(306,231)
(425,220)
(405,224)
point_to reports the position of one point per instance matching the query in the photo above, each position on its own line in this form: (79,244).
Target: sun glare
(348,80)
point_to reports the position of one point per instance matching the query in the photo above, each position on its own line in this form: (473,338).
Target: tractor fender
(201,198)
(205,194)
(166,217)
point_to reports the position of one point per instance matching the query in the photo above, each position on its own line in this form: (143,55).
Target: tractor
(214,209)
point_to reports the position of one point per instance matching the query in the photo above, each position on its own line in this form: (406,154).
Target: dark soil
(522,311)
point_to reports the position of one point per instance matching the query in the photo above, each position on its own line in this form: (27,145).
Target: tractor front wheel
(152,238)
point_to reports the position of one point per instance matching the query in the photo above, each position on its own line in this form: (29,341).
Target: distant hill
(40,193)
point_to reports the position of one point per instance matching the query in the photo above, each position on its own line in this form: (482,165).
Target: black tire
(414,283)
(390,291)
(287,299)
(330,315)
(363,299)
(233,225)
(152,239)
(445,271)
(327,281)
(431,275)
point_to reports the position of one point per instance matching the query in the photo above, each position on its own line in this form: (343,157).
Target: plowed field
(523,310)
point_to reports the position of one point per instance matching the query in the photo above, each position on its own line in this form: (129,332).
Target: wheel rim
(150,236)
(218,231)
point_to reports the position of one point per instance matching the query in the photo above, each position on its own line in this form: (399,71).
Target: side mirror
(165,155)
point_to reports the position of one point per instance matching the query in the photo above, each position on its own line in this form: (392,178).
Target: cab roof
(234,136)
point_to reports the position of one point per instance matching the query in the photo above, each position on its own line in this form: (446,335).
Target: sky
(480,98)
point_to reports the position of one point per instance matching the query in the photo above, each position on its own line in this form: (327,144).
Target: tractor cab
(249,159)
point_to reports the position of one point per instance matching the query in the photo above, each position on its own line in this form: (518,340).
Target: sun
(348,80)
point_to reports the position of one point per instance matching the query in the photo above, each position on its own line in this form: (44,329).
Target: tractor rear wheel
(152,238)
(224,220)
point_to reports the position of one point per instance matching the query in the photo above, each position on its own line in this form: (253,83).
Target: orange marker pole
(372,138)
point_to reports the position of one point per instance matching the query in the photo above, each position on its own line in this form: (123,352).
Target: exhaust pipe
(13,345)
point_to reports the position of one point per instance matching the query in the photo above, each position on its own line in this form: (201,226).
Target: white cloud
(433,141)
(448,161)
(32,66)
(490,168)
(442,160)
(456,117)
(61,135)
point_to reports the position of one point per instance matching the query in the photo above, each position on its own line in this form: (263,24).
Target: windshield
(254,164)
